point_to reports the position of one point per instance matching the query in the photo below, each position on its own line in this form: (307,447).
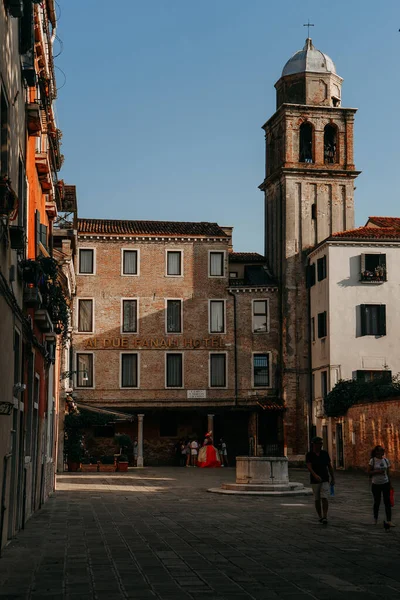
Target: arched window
(306,143)
(330,141)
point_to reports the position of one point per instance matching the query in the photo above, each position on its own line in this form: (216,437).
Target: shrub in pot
(89,465)
(123,463)
(107,464)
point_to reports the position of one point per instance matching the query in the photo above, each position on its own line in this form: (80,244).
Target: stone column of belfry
(309,195)
(140,441)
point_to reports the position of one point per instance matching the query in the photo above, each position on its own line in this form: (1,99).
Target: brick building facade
(171,324)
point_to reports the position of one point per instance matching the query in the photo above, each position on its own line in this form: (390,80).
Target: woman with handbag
(378,470)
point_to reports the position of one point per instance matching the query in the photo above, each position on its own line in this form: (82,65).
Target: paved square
(156,533)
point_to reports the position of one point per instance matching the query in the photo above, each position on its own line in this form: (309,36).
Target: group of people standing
(194,454)
(322,479)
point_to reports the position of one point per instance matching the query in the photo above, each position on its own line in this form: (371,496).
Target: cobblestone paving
(157,534)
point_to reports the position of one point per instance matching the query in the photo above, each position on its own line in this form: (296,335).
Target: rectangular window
(84,370)
(324,384)
(4,134)
(310,275)
(17,358)
(129,370)
(216,264)
(261,370)
(313,329)
(217,316)
(21,192)
(129,316)
(174,320)
(322,328)
(174,365)
(321,268)
(260,316)
(86,261)
(366,376)
(373,267)
(373,319)
(174,263)
(217,370)
(85,315)
(130,262)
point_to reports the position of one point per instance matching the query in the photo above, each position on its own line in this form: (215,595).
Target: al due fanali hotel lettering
(161,343)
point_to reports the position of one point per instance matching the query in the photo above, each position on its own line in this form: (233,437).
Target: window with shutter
(261,370)
(322,329)
(174,375)
(217,370)
(310,275)
(85,315)
(373,267)
(321,268)
(174,309)
(373,319)
(129,316)
(129,370)
(86,261)
(37,232)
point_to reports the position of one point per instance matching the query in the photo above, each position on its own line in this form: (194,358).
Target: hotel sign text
(163,343)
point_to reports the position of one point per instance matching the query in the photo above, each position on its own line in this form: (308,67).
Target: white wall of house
(344,350)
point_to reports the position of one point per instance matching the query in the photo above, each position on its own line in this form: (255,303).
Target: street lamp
(68,375)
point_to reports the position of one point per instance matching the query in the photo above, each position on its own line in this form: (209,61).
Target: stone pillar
(140,441)
(210,424)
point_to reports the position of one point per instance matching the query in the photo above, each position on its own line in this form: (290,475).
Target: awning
(267,404)
(105,411)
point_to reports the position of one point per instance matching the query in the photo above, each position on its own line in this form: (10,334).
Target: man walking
(319,464)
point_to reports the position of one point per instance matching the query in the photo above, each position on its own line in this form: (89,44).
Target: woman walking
(378,470)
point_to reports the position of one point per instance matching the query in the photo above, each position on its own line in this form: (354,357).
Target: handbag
(391,497)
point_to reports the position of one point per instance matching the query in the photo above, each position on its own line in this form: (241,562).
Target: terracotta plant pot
(107,468)
(89,468)
(122,466)
(73,466)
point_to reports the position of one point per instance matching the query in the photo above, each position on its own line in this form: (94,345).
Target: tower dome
(310,60)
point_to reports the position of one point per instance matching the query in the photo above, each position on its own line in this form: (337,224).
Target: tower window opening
(306,143)
(335,101)
(330,154)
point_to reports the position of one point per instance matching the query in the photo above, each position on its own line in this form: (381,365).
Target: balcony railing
(379,275)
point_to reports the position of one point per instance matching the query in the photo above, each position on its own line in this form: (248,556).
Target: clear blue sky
(164,100)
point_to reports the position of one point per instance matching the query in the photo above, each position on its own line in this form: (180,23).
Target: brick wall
(367,425)
(152,288)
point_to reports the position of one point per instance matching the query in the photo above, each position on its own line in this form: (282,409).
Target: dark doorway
(339,445)
(270,433)
(232,426)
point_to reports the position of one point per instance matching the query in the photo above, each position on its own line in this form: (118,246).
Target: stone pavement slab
(156,533)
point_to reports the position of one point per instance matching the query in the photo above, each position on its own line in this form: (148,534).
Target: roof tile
(369,233)
(246,257)
(150,228)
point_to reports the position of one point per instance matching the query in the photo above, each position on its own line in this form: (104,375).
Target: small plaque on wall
(196,393)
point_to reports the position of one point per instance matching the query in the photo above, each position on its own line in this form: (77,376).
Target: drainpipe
(310,403)
(235,344)
(3,495)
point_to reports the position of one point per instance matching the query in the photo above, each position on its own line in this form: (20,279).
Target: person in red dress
(208,454)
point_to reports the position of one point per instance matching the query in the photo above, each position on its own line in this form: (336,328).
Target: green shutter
(382,319)
(37,232)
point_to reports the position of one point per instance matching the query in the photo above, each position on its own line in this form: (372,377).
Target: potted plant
(89,465)
(74,456)
(8,198)
(107,464)
(123,463)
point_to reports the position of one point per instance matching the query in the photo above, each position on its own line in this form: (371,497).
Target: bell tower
(309,194)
